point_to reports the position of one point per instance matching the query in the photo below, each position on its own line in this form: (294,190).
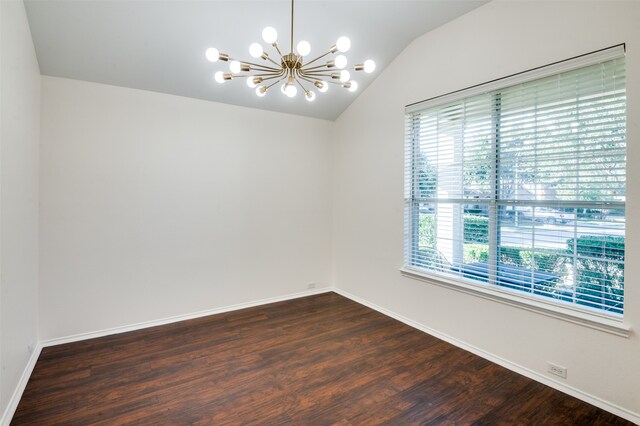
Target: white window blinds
(523,187)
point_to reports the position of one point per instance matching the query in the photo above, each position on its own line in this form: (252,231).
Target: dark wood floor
(320,360)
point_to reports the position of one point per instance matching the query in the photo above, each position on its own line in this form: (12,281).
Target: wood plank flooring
(319,360)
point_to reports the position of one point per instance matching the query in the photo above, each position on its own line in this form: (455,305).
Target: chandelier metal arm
(318,77)
(319,57)
(300,84)
(271,60)
(322,81)
(275,82)
(272,77)
(312,81)
(303,77)
(268,74)
(339,83)
(317,73)
(275,45)
(253,64)
(271,74)
(264,69)
(307,68)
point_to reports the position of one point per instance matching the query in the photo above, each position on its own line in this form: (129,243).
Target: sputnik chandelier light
(292,68)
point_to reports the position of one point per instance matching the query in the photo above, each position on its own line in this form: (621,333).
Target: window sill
(565,313)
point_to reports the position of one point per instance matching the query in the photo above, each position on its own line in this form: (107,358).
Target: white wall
(20,131)
(496,40)
(155,205)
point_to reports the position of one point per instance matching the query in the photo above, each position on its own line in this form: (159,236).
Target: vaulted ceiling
(160,45)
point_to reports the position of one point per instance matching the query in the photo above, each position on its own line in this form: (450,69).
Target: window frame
(572,313)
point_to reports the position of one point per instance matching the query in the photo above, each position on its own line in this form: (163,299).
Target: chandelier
(292,68)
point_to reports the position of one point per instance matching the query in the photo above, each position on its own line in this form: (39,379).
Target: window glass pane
(478,156)
(475,261)
(425,253)
(533,248)
(563,137)
(597,256)
(448,238)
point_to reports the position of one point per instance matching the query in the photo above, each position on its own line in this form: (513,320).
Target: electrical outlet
(557,370)
(311,285)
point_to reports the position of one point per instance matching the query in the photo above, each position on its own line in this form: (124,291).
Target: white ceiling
(160,45)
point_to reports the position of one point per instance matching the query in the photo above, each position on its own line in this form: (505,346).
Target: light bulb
(369,66)
(255,50)
(290,90)
(303,48)
(344,76)
(212,54)
(234,66)
(322,86)
(219,77)
(269,35)
(311,96)
(261,91)
(250,82)
(354,86)
(340,61)
(343,44)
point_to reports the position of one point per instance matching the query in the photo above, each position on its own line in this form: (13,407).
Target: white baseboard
(24,379)
(22,384)
(562,387)
(177,318)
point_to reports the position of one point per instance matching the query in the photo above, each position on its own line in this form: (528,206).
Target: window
(519,185)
